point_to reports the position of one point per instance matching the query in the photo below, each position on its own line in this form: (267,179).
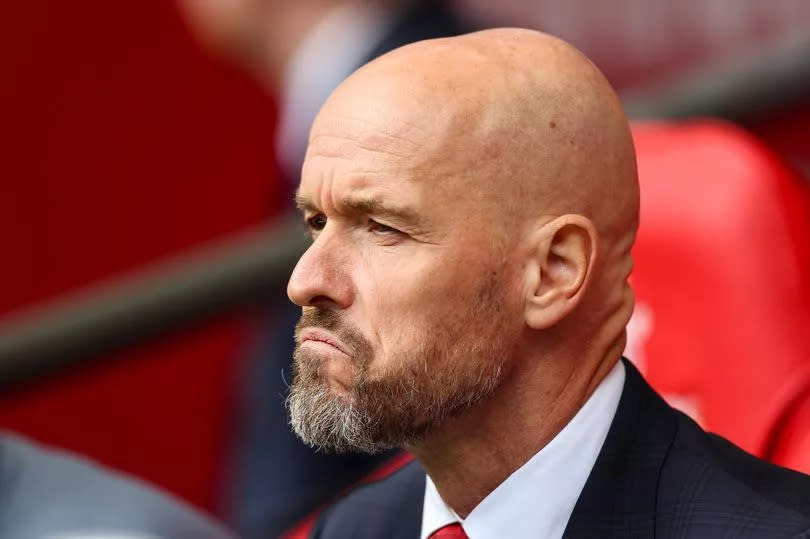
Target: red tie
(451,531)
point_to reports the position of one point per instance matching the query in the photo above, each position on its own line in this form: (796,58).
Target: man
(303,50)
(473,202)
(49,494)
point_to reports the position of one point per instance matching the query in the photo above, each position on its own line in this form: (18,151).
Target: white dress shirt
(538,498)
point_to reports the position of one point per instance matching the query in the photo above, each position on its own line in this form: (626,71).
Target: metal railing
(744,90)
(159,298)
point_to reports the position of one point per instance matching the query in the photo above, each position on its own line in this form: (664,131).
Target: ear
(563,253)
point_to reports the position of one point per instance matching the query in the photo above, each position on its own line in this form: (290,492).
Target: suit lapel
(620,495)
(409,525)
(396,511)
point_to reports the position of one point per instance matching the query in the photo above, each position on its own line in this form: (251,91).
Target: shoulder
(376,509)
(710,486)
(44,491)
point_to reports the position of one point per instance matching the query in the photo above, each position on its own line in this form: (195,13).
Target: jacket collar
(619,498)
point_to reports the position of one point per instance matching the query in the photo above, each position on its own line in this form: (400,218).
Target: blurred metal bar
(154,300)
(749,88)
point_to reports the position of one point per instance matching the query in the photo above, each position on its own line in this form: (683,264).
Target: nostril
(321,301)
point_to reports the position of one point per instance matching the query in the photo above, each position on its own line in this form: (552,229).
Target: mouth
(320,337)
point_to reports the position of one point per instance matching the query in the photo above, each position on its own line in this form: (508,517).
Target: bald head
(512,125)
(523,115)
(473,202)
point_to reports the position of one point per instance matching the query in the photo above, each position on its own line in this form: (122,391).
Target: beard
(455,366)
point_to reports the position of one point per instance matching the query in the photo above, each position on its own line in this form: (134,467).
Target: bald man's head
(526,111)
(471,197)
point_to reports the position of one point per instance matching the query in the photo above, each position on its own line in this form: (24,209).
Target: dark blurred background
(125,143)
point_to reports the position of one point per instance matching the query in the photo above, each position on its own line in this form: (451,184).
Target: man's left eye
(380,228)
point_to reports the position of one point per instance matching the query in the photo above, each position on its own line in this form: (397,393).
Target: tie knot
(451,531)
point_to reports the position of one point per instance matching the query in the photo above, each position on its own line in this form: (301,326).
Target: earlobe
(558,274)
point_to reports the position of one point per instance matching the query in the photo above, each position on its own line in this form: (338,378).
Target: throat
(468,456)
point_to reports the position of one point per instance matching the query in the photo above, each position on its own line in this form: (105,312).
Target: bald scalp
(521,130)
(516,117)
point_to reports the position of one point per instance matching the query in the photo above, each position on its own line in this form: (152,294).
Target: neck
(468,456)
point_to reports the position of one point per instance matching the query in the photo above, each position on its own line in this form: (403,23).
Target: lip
(320,335)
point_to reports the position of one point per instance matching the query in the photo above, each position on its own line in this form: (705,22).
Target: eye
(380,228)
(316,222)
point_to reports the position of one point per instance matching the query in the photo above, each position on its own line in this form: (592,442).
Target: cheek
(414,281)
(402,290)
(405,296)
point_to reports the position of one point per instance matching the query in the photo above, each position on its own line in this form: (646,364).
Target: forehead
(353,153)
(389,132)
(390,144)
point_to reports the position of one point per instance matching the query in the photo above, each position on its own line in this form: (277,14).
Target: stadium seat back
(722,267)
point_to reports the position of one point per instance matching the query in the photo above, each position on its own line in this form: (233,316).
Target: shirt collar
(538,498)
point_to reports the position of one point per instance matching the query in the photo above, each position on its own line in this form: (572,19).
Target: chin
(343,394)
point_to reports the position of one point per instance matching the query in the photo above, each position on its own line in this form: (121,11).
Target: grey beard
(416,392)
(327,423)
(385,414)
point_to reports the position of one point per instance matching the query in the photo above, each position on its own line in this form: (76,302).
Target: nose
(321,277)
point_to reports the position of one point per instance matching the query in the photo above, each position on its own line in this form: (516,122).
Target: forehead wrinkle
(349,147)
(344,133)
(374,205)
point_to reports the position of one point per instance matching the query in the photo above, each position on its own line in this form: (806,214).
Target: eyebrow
(303,203)
(368,206)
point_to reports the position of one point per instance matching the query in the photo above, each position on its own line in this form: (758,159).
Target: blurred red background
(125,142)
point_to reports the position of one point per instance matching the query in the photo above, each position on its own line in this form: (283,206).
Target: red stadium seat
(722,281)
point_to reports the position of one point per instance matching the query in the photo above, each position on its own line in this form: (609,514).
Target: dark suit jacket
(657,475)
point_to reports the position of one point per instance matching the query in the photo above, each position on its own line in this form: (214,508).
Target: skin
(501,156)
